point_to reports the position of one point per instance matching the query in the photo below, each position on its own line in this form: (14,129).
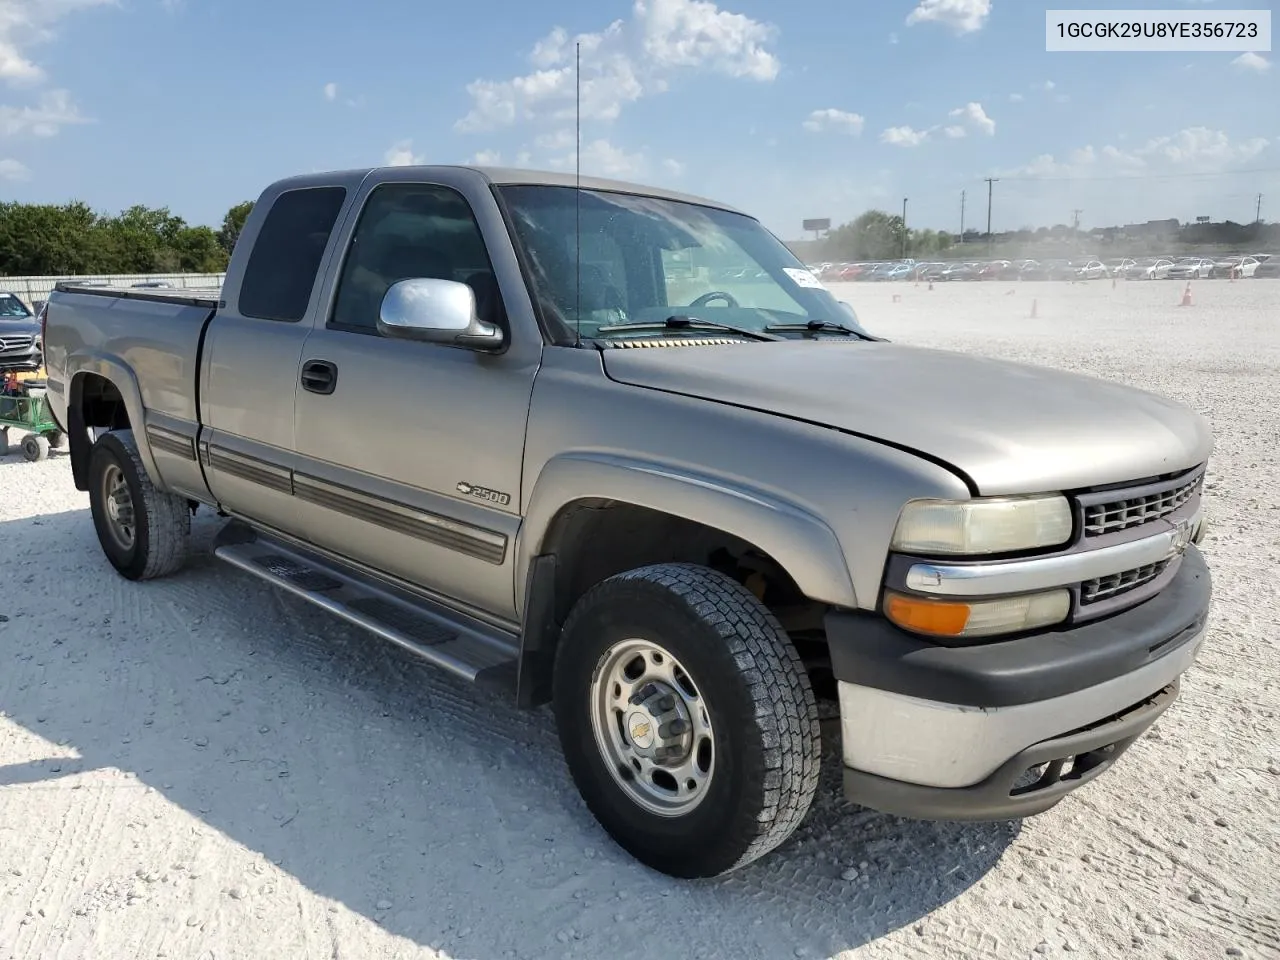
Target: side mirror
(436,311)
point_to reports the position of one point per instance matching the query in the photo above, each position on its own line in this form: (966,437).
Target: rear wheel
(143,532)
(687,719)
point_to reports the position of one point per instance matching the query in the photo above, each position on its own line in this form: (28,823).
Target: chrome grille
(1104,588)
(16,342)
(1122,514)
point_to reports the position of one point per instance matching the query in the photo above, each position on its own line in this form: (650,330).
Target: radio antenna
(577,192)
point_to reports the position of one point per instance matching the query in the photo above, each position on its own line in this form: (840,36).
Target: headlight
(977,618)
(994,525)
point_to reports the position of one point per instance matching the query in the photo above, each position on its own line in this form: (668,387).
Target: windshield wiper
(817,326)
(685,323)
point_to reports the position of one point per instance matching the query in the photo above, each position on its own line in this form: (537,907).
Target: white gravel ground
(204,768)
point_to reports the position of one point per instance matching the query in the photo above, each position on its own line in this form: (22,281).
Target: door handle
(319,376)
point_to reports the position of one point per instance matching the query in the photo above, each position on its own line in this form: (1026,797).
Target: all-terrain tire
(761,703)
(161,521)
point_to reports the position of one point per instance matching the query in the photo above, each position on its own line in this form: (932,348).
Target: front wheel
(143,532)
(687,719)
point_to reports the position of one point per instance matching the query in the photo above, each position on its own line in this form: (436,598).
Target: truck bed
(190,297)
(156,334)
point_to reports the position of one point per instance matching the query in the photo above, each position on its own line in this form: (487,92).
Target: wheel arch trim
(802,543)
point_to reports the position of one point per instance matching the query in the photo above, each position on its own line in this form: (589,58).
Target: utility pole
(904,228)
(962,216)
(1075,220)
(1257,217)
(990,181)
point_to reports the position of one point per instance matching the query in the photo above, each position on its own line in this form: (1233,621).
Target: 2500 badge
(484,493)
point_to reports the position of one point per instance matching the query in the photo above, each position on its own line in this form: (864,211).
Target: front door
(409,454)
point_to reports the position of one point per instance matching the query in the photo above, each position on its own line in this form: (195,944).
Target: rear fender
(114,370)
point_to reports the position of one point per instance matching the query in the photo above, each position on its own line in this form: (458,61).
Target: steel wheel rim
(117,505)
(652,727)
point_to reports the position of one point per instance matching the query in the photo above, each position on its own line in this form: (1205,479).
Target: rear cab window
(287,253)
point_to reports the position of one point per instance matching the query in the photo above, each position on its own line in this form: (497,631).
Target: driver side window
(413,231)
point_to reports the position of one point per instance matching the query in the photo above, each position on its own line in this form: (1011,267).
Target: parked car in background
(1267,269)
(1152,268)
(1121,266)
(997,270)
(1191,268)
(20,344)
(1235,266)
(899,271)
(1049,270)
(1090,270)
(958,271)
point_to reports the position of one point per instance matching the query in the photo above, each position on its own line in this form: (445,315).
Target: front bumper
(958,732)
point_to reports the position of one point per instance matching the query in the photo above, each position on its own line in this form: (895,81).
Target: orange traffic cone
(1186,296)
(1034,311)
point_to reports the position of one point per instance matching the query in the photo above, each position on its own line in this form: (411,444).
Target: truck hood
(1008,427)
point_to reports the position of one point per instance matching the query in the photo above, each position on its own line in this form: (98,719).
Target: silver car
(1191,268)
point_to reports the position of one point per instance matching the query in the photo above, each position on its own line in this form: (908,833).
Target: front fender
(803,544)
(113,369)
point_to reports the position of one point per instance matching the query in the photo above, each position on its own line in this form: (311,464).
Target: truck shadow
(407,796)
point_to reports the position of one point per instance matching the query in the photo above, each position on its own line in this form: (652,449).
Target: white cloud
(562,139)
(401,155)
(27,23)
(52,112)
(956,132)
(600,158)
(486,158)
(832,119)
(673,167)
(13,170)
(1193,150)
(1048,85)
(1252,63)
(627,60)
(331,92)
(1016,97)
(975,116)
(963,16)
(893,38)
(904,136)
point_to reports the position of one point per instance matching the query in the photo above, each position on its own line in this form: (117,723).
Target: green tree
(874,235)
(233,224)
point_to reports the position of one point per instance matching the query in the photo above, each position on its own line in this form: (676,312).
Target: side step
(460,644)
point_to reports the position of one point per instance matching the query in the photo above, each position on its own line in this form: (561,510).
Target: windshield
(11,306)
(644,259)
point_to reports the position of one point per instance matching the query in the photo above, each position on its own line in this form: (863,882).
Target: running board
(460,644)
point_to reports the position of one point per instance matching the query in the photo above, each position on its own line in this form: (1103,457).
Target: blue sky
(812,108)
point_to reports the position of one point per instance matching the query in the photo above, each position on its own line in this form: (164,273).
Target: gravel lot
(205,768)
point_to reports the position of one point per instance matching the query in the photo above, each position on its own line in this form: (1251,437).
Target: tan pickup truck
(615,449)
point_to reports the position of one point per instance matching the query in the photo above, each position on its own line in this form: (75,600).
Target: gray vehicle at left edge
(20,346)
(615,449)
